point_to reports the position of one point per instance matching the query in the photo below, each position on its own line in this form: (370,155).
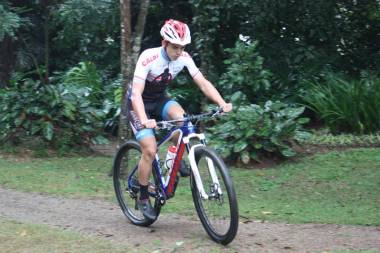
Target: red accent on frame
(175,169)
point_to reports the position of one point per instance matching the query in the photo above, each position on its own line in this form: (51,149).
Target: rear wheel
(125,180)
(218,213)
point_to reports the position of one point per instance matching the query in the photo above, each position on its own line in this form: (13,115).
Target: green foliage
(245,73)
(297,39)
(88,31)
(102,95)
(111,105)
(216,26)
(10,22)
(252,131)
(85,75)
(62,116)
(324,138)
(346,105)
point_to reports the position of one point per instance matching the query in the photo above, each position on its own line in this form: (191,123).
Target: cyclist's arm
(211,92)
(138,85)
(138,104)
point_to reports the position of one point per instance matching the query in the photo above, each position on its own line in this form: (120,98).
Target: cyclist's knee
(177,113)
(149,153)
(172,110)
(148,148)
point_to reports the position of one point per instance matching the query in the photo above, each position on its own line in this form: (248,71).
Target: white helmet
(176,32)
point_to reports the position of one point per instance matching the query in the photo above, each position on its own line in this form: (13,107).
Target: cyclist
(147,100)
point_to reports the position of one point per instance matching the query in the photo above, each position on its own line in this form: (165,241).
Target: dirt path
(176,233)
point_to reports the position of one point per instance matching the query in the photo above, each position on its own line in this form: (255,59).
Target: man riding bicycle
(147,100)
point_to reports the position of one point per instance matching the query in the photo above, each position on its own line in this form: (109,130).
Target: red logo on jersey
(149,60)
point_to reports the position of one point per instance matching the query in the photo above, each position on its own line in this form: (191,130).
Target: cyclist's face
(174,51)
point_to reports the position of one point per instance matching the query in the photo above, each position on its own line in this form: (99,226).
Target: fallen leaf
(179,243)
(266,212)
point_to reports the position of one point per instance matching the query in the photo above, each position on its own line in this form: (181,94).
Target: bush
(62,116)
(111,105)
(85,75)
(106,95)
(245,73)
(252,131)
(350,106)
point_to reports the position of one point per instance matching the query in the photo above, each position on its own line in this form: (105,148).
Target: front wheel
(218,213)
(125,180)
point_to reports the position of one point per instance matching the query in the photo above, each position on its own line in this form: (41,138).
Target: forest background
(289,67)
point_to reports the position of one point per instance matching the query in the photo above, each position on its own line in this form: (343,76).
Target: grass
(323,137)
(19,237)
(70,177)
(337,187)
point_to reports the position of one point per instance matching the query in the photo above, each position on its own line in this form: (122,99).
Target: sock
(144,194)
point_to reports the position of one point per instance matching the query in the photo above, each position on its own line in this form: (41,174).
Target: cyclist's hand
(150,123)
(227,107)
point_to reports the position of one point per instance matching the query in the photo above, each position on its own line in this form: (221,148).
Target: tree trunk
(47,46)
(130,48)
(126,33)
(138,35)
(7,60)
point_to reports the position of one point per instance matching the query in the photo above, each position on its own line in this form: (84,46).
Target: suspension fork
(193,164)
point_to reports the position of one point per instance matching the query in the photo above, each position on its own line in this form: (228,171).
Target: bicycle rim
(218,213)
(125,178)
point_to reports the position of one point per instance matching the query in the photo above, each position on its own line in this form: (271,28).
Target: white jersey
(156,69)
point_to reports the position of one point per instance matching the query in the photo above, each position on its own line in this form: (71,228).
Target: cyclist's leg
(148,145)
(148,150)
(173,110)
(147,140)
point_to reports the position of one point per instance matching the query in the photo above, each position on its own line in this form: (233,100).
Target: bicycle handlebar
(166,124)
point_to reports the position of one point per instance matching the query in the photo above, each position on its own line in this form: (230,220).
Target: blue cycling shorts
(157,110)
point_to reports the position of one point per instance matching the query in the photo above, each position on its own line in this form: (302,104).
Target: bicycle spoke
(126,183)
(216,208)
(218,212)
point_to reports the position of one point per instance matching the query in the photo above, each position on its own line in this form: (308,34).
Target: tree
(87,31)
(297,39)
(10,22)
(25,36)
(130,48)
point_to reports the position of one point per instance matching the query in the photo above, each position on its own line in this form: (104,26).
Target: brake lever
(217,112)
(164,125)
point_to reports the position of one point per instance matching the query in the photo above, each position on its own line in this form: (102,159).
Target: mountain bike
(211,185)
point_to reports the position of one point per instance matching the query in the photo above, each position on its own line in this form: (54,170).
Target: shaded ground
(178,233)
